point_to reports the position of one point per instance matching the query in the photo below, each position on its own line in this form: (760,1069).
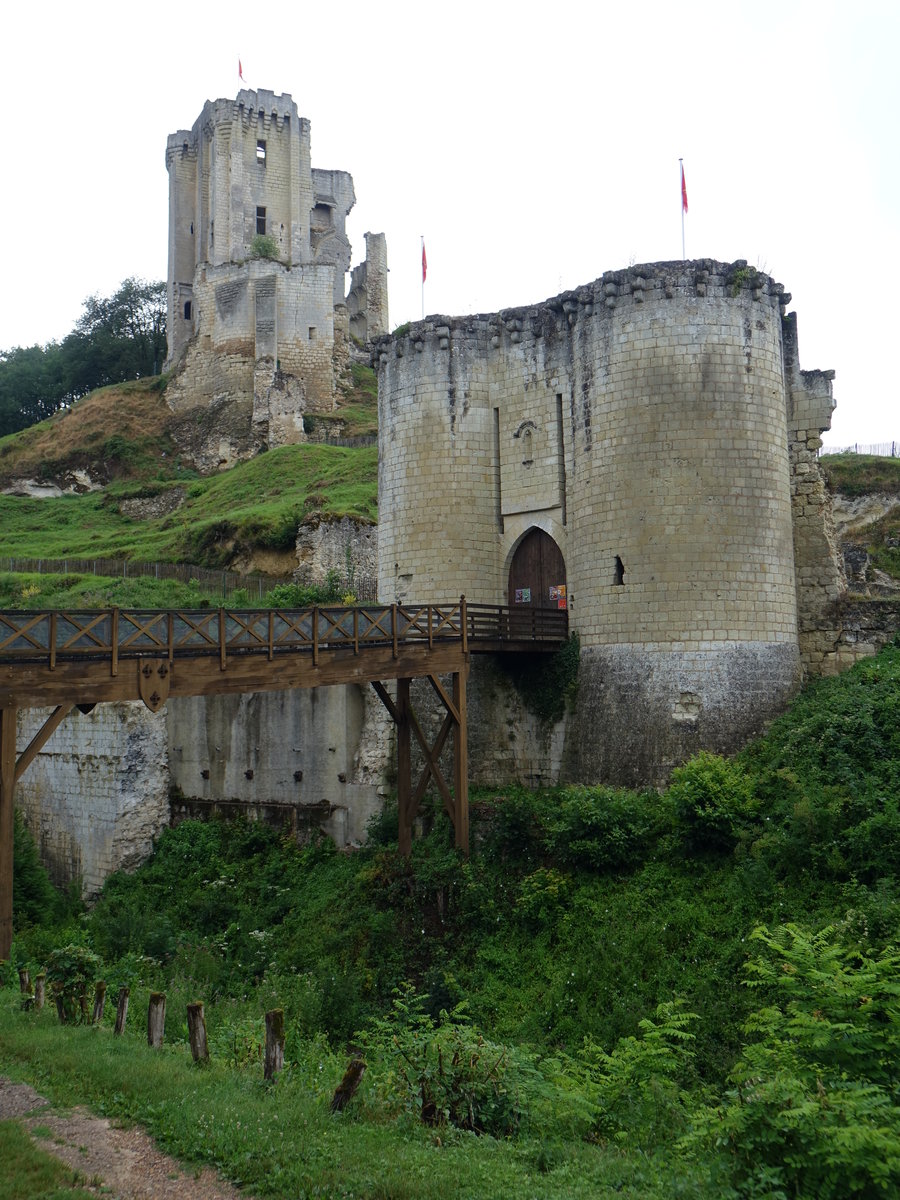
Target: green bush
(639,1087)
(712,798)
(602,828)
(815,1106)
(445,1072)
(70,972)
(263,246)
(35,899)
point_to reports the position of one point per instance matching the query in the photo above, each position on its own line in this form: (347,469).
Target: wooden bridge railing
(114,634)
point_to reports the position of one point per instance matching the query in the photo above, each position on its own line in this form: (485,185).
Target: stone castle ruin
(643,451)
(259,327)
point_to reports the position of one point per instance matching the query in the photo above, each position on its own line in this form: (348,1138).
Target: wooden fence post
(197,1032)
(274,1043)
(156,1019)
(99,1002)
(40,981)
(24,981)
(122,1010)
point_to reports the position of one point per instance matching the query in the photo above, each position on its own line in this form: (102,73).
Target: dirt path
(125,1162)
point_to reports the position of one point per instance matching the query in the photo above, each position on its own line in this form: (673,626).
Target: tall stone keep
(258,254)
(623,450)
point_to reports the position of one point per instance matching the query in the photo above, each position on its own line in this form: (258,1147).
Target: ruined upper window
(261,151)
(260,219)
(187,310)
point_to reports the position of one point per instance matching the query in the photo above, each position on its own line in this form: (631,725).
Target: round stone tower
(622,449)
(682,565)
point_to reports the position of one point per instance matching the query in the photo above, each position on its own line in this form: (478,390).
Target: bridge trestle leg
(7,788)
(456,802)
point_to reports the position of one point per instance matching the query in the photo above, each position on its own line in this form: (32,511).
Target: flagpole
(423,276)
(681,173)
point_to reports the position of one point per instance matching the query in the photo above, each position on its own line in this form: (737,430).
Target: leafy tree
(117,337)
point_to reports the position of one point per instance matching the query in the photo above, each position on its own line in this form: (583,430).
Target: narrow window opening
(619,573)
(260,219)
(312,333)
(261,151)
(528,448)
(192,228)
(187,310)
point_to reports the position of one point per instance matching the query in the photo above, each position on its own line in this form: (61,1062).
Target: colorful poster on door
(523,595)
(558,593)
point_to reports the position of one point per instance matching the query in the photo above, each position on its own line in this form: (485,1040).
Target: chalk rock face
(97,797)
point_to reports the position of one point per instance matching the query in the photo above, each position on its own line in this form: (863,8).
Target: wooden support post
(114,643)
(122,1010)
(99,1002)
(274,1060)
(156,1019)
(24,981)
(460,764)
(404,769)
(40,990)
(347,1088)
(197,1032)
(7,787)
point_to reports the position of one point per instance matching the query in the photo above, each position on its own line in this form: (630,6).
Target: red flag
(684,206)
(424,263)
(241,71)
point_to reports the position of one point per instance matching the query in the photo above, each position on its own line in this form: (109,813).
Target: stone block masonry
(258,324)
(655,427)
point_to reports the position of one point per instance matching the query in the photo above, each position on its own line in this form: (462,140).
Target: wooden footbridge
(68,660)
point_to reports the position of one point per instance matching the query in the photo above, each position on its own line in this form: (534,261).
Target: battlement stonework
(641,449)
(258,323)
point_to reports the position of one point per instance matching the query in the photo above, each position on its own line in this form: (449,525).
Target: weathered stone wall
(819,567)
(271,333)
(97,797)
(642,423)
(321,752)
(346,546)
(367,299)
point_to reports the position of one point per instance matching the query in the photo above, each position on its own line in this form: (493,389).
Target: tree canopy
(117,337)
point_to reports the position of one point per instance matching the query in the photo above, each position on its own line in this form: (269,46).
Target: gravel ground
(124,1162)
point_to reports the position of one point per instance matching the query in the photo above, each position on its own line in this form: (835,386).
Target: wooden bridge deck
(64,659)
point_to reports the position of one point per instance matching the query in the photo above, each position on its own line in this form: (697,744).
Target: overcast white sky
(535,146)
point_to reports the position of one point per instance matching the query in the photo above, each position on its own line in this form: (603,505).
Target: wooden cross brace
(456,802)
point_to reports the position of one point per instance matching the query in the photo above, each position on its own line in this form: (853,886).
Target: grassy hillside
(857,474)
(692,993)
(211,521)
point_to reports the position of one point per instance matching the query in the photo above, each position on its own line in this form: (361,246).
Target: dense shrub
(712,798)
(35,899)
(603,829)
(814,1108)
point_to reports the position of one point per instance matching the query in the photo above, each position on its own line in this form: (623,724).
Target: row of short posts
(156,1020)
(273,1061)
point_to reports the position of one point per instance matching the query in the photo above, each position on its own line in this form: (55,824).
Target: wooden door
(537,574)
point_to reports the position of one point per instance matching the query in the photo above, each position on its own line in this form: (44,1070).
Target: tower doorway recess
(537,574)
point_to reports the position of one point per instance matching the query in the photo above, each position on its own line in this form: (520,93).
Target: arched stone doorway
(537,573)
